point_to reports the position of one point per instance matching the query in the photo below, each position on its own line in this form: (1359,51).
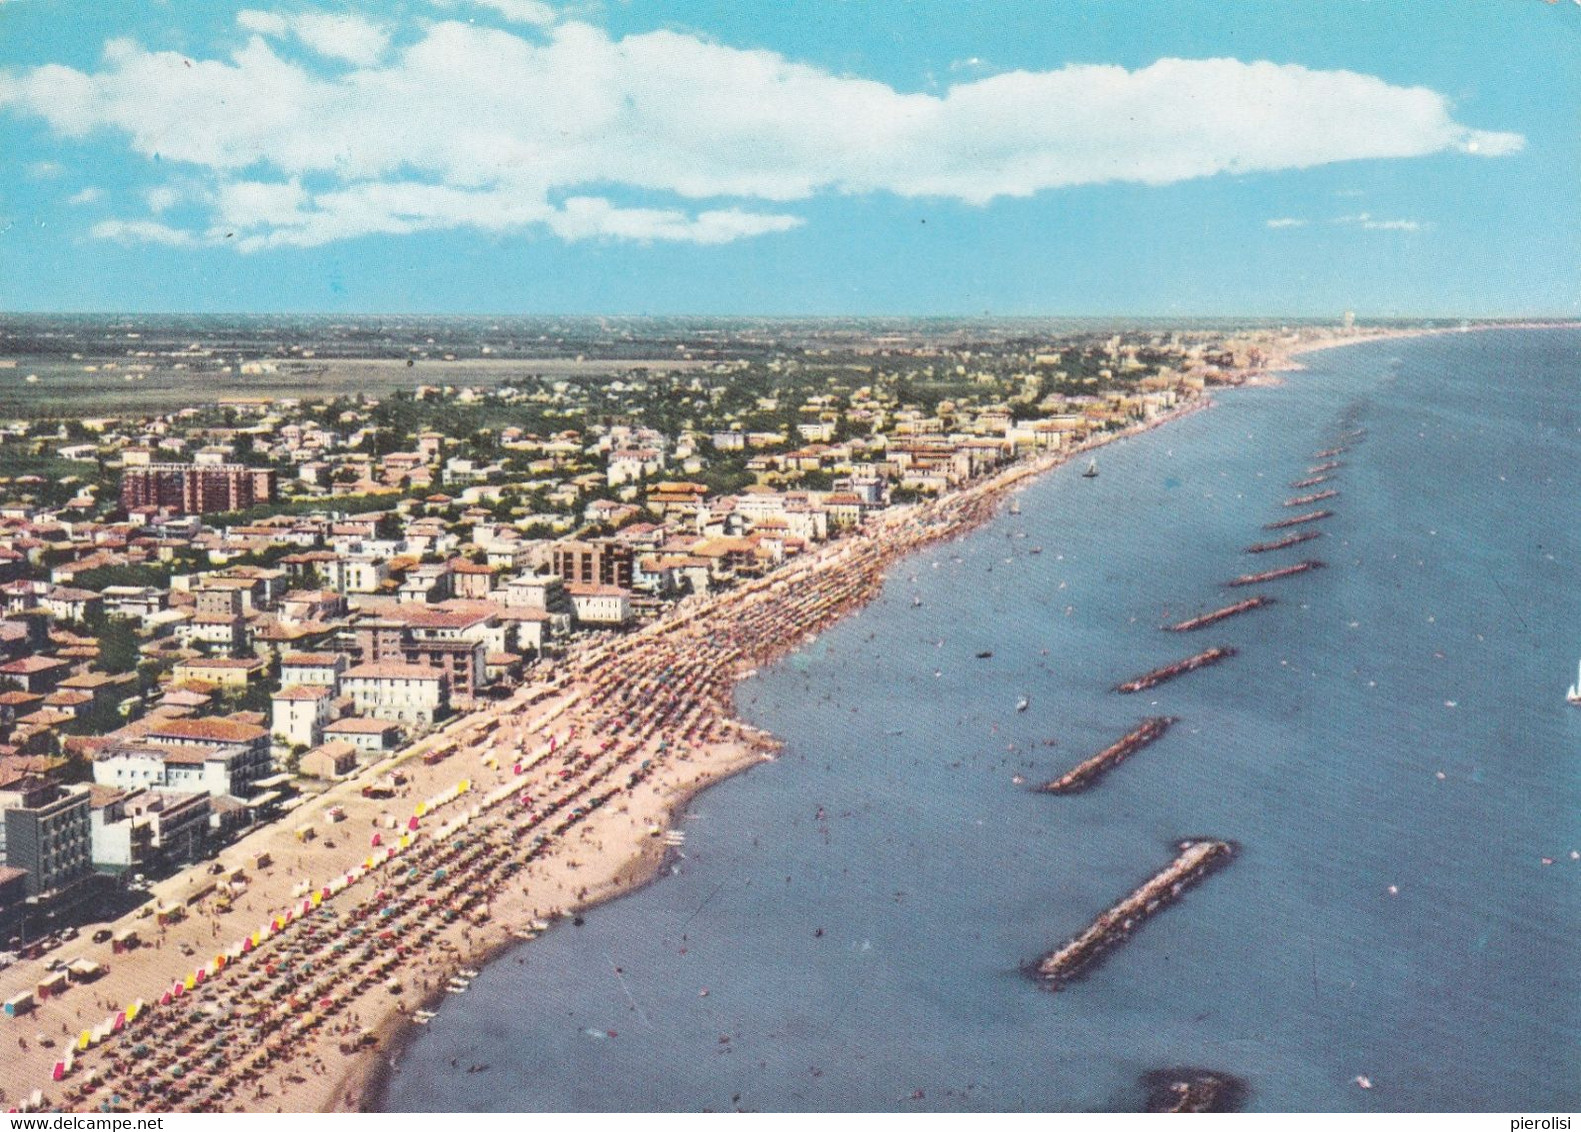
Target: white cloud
(349,38)
(517,11)
(141,232)
(268,215)
(472,126)
(162,199)
(1285,222)
(586,217)
(85,196)
(264,23)
(42,170)
(1370,223)
(1394,225)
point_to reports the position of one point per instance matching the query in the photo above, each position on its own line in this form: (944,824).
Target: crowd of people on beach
(395,928)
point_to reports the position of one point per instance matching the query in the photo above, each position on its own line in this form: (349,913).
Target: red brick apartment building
(190,489)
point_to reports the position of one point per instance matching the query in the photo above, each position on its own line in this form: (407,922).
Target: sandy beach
(1283,355)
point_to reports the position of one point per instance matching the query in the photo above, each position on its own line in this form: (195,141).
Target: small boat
(1015,506)
(1091,472)
(1023,703)
(985,654)
(1364,1081)
(1573,694)
(915,601)
(1036,550)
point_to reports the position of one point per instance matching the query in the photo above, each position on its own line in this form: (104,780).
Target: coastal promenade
(290,993)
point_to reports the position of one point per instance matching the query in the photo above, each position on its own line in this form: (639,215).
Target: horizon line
(1544,318)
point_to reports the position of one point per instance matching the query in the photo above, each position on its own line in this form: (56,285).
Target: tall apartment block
(191,489)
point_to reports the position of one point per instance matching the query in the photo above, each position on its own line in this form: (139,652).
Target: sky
(1165,158)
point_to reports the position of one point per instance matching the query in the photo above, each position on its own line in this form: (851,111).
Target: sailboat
(1015,506)
(1091,472)
(1573,694)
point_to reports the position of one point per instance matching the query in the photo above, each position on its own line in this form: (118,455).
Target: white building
(401,693)
(355,574)
(45,829)
(600,605)
(372,736)
(210,756)
(214,770)
(312,669)
(298,713)
(139,602)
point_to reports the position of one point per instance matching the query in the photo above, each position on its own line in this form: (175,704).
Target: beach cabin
(84,970)
(51,984)
(18,1004)
(124,940)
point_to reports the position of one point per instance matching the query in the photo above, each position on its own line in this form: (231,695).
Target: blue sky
(1112,157)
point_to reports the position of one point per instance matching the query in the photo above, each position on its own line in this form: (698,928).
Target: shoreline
(363,1087)
(371,1079)
(664,692)
(1283,358)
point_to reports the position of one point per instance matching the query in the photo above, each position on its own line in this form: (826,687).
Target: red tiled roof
(589,589)
(28,665)
(211,730)
(304,692)
(309,659)
(392,671)
(354,726)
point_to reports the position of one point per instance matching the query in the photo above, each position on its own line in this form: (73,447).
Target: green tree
(118,646)
(130,575)
(147,676)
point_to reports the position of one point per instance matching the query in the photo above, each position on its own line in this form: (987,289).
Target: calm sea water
(858,910)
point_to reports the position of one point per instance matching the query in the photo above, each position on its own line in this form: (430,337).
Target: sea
(847,927)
